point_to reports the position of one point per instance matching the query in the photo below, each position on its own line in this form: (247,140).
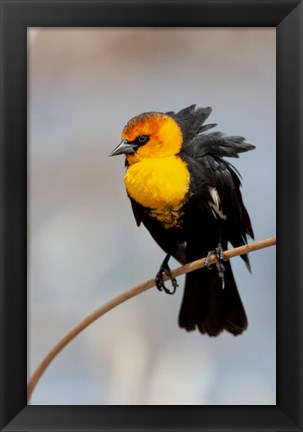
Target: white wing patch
(215,204)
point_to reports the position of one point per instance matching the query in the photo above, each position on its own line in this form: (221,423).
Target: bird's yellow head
(150,135)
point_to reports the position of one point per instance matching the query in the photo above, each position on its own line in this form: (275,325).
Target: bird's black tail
(208,306)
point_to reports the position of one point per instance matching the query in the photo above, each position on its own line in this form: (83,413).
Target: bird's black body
(212,212)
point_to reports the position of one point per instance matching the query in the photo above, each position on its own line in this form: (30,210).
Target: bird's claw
(218,252)
(164,269)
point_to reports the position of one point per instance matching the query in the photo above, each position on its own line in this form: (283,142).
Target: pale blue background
(85,248)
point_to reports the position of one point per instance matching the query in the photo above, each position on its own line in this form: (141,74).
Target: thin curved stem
(102,310)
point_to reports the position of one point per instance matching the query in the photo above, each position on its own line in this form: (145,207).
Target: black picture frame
(16,17)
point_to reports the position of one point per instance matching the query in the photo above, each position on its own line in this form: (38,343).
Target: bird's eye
(142,139)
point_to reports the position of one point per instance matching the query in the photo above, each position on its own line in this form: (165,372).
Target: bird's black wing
(205,153)
(216,182)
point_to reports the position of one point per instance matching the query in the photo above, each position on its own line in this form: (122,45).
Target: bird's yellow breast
(159,184)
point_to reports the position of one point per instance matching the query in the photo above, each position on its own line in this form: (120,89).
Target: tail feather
(208,306)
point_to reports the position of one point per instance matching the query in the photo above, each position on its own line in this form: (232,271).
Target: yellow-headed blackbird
(189,199)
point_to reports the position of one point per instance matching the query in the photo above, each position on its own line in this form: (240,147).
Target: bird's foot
(164,269)
(218,252)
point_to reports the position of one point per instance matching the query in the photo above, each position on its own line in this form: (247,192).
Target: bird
(187,195)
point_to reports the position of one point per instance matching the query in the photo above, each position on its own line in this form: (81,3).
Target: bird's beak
(123,148)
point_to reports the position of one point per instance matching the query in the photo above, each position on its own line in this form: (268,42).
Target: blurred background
(84,245)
